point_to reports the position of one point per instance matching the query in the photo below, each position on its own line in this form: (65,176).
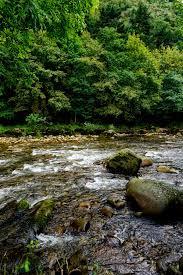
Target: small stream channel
(71,172)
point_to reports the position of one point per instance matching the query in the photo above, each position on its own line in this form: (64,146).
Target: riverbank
(88,129)
(14,143)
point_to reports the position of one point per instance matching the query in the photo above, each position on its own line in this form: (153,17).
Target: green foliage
(172,95)
(154,21)
(34,244)
(25,266)
(59,17)
(6,113)
(87,69)
(29,263)
(31,61)
(171,69)
(132,84)
(35,123)
(59,101)
(34,119)
(90,128)
(89,61)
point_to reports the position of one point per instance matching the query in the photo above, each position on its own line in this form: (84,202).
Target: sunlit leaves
(52,15)
(58,101)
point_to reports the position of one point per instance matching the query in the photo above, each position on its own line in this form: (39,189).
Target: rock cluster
(152,197)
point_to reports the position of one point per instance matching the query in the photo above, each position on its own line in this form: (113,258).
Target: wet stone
(59,229)
(80,225)
(107,211)
(138,214)
(166,169)
(142,243)
(85,204)
(23,205)
(155,197)
(146,162)
(43,213)
(116,201)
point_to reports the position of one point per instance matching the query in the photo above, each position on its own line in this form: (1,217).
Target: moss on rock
(23,205)
(124,162)
(44,212)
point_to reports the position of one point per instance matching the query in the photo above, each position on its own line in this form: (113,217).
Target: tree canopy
(89,60)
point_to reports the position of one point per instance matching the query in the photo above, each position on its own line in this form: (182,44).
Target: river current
(73,167)
(27,172)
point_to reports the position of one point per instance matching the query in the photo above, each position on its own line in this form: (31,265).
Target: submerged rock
(77,264)
(15,226)
(138,214)
(80,224)
(107,211)
(154,198)
(124,162)
(146,162)
(166,169)
(85,204)
(116,201)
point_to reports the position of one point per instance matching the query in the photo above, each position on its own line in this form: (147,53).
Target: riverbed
(70,170)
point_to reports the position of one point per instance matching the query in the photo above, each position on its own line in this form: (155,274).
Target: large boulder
(124,162)
(154,198)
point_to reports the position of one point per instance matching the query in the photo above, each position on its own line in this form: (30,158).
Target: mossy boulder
(44,212)
(154,198)
(124,162)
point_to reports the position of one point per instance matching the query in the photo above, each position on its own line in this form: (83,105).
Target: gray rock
(154,198)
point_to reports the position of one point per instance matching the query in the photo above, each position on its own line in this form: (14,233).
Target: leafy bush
(35,119)
(35,122)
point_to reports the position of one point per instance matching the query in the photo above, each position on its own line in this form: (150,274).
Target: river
(71,170)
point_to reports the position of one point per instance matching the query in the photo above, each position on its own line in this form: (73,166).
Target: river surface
(71,171)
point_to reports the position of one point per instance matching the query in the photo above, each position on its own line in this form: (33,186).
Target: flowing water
(72,172)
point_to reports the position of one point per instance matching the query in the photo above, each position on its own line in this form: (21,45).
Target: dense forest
(91,137)
(107,61)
